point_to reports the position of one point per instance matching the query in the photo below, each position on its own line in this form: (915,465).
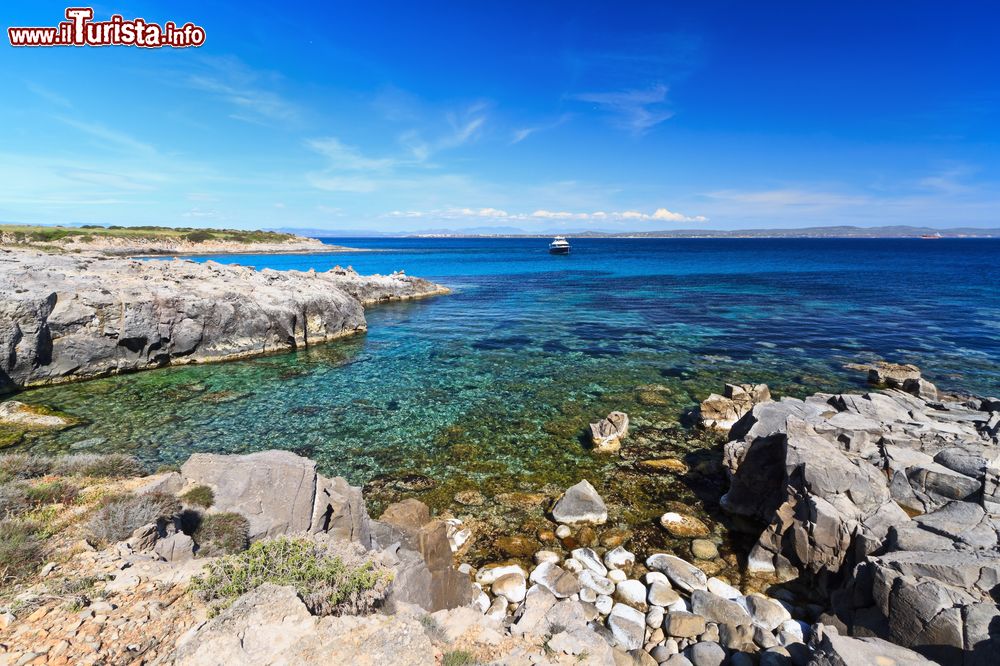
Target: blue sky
(541,116)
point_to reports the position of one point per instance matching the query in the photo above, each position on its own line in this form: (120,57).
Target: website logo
(79,29)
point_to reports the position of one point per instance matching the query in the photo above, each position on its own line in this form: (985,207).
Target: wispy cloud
(248,90)
(637,111)
(520,134)
(49,95)
(108,137)
(346,157)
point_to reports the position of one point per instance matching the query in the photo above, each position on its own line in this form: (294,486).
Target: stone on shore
(682,574)
(580,505)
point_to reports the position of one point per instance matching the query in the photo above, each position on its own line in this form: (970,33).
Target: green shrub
(23,466)
(20,550)
(120,516)
(326,584)
(199,496)
(52,492)
(102,465)
(221,534)
(199,236)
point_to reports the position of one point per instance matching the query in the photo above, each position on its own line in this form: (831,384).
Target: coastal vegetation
(41,496)
(31,234)
(327,583)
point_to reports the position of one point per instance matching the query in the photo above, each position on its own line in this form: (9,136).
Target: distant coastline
(806,232)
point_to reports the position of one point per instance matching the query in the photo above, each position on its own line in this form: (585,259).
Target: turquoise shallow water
(492,386)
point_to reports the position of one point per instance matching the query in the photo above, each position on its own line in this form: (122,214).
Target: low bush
(103,465)
(52,492)
(199,496)
(326,583)
(458,658)
(20,550)
(119,516)
(221,534)
(23,466)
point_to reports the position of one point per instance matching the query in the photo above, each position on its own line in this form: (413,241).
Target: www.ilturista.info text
(81,30)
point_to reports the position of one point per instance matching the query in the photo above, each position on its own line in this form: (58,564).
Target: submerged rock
(19,414)
(681,525)
(607,434)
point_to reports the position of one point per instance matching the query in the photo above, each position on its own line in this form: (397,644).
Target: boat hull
(558,250)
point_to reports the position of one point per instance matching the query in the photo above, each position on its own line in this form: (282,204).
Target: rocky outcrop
(887,500)
(721,412)
(274,490)
(69,317)
(280,493)
(607,434)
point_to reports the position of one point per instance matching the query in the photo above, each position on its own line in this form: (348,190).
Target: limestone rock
(832,649)
(274,490)
(884,373)
(628,626)
(510,586)
(721,412)
(17,413)
(682,574)
(556,580)
(178,547)
(69,316)
(580,505)
(607,434)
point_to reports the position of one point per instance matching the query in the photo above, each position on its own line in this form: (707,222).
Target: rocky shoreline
(70,317)
(877,543)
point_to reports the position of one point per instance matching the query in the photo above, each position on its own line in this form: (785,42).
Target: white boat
(559,245)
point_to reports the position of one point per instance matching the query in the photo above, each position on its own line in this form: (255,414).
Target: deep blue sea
(492,386)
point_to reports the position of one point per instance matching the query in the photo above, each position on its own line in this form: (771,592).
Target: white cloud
(342,156)
(635,110)
(660,214)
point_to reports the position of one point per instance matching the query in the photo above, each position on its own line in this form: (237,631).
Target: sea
(491,388)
